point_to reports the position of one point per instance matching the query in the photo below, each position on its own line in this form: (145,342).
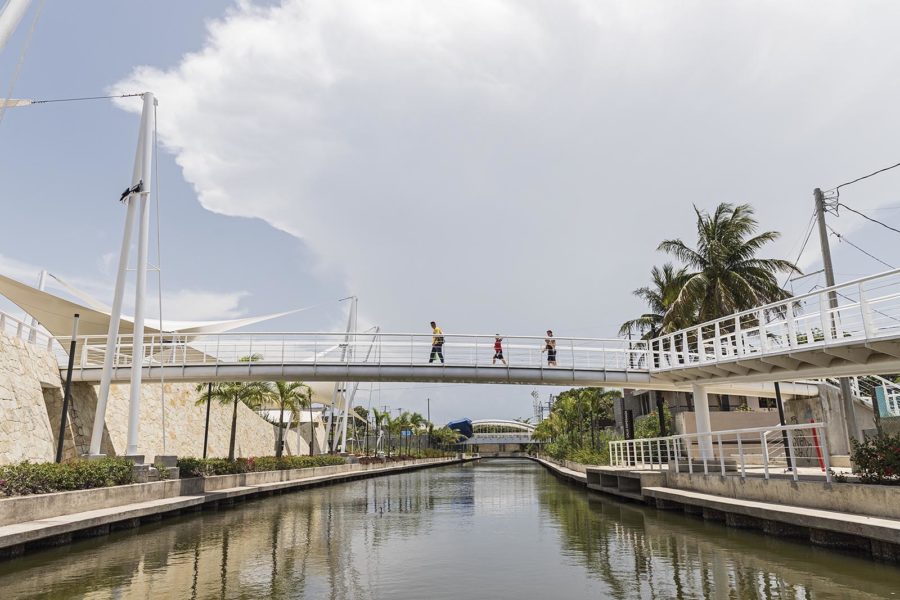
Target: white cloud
(503,163)
(200,305)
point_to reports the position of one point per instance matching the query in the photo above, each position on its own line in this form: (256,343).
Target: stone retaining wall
(25,429)
(31,404)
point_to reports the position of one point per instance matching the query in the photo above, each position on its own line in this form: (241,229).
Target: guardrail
(317,348)
(24,330)
(787,446)
(866,309)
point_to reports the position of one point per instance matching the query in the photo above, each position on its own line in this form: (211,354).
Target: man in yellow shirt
(437,343)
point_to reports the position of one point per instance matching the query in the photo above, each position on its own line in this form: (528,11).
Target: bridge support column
(701,416)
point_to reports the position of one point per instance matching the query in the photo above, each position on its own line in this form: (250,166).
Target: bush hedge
(200,467)
(42,478)
(878,459)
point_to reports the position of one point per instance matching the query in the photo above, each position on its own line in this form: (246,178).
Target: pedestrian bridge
(500,432)
(849,329)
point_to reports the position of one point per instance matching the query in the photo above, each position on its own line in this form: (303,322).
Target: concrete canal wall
(31,522)
(846,516)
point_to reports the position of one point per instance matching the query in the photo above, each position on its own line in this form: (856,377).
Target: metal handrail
(676,449)
(787,325)
(321,348)
(34,334)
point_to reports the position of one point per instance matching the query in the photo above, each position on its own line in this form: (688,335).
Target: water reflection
(501,529)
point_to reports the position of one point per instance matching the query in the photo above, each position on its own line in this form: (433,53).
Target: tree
(232,392)
(291,394)
(659,296)
(382,421)
(725,276)
(364,415)
(416,423)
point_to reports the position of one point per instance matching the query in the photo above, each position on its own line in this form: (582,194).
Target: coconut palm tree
(291,394)
(381,418)
(725,276)
(233,392)
(416,423)
(659,296)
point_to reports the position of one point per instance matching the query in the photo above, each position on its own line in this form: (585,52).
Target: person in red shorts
(498,350)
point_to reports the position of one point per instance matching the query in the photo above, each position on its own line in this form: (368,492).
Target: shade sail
(55,314)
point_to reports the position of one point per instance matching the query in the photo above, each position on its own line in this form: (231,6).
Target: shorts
(551,355)
(498,354)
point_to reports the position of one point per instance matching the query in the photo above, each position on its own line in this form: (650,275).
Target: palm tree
(726,276)
(416,422)
(379,418)
(233,392)
(292,394)
(659,296)
(364,415)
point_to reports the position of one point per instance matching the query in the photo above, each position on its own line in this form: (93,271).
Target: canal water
(494,529)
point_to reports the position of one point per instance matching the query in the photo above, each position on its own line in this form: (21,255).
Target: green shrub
(878,459)
(41,478)
(199,467)
(647,426)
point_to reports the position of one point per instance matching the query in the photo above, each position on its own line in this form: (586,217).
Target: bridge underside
(433,374)
(365,373)
(872,358)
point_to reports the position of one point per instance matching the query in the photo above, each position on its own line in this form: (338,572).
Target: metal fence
(785,447)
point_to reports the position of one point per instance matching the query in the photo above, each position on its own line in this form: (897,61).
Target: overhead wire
(865,216)
(21,61)
(870,255)
(809,229)
(837,189)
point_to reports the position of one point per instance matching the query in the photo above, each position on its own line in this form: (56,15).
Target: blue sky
(493,165)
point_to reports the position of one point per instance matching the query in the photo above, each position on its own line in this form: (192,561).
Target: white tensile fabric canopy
(55,314)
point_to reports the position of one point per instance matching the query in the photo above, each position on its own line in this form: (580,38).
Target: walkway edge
(15,539)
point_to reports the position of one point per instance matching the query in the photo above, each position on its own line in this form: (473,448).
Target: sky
(495,165)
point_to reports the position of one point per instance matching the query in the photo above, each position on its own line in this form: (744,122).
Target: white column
(116,311)
(137,350)
(10,16)
(701,416)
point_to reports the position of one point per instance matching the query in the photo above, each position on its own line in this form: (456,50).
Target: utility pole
(846,393)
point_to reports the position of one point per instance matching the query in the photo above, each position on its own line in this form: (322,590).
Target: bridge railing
(866,309)
(729,451)
(12,327)
(316,348)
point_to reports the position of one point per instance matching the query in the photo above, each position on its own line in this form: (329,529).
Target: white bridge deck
(850,329)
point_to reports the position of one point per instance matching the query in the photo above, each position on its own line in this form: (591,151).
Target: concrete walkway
(15,539)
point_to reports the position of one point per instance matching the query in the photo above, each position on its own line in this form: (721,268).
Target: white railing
(24,330)
(734,450)
(866,309)
(388,349)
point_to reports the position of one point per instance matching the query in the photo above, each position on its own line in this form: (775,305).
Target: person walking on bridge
(498,350)
(550,349)
(437,343)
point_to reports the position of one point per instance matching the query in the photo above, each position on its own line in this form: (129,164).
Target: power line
(809,230)
(865,216)
(84,98)
(874,173)
(872,256)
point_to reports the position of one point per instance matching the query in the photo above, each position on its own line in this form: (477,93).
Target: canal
(492,529)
